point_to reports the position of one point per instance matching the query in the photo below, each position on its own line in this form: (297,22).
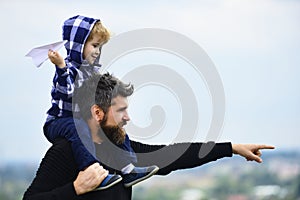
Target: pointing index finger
(264,146)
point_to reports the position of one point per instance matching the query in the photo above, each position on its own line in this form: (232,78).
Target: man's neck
(94,128)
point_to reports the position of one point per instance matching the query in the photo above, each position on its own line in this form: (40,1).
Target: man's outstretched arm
(188,155)
(180,155)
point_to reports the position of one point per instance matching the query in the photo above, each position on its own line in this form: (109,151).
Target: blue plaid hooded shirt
(76,31)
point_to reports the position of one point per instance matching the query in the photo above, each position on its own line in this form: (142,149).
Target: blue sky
(254,45)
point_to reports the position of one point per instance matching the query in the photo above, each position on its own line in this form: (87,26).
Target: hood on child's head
(76,31)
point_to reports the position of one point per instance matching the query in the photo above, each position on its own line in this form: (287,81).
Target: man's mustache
(123,123)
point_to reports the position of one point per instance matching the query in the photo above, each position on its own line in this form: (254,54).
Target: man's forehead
(119,101)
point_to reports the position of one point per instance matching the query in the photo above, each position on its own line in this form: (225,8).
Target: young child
(85,37)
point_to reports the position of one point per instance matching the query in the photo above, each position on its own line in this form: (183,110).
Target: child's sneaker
(109,181)
(139,174)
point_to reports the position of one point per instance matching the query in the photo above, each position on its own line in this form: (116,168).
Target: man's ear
(97,113)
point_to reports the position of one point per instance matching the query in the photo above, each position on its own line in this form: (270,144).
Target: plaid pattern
(76,31)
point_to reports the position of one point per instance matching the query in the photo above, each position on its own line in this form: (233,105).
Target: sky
(253,44)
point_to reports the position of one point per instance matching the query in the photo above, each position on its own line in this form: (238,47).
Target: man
(103,108)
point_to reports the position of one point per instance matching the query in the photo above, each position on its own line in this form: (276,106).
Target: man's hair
(101,31)
(99,89)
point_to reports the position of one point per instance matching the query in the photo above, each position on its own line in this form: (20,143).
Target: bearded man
(103,104)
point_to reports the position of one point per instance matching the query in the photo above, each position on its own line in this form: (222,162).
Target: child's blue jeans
(78,134)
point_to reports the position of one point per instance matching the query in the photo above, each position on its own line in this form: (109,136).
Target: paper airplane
(40,54)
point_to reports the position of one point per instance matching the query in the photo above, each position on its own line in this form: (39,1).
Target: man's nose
(126,117)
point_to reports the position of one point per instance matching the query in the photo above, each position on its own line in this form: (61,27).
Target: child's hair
(101,31)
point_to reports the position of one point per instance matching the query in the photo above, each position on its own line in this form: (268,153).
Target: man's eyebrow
(122,108)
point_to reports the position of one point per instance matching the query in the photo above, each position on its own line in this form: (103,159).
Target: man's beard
(115,134)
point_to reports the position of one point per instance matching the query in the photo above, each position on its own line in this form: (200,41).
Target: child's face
(92,49)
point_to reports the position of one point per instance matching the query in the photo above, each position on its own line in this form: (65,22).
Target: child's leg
(128,156)
(126,161)
(85,135)
(65,127)
(77,132)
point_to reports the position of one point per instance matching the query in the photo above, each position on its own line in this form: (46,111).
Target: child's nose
(97,51)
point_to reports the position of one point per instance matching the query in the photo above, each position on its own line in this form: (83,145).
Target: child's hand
(56,58)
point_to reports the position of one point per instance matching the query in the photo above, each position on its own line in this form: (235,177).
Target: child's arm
(63,77)
(56,58)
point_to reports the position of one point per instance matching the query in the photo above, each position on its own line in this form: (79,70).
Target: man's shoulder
(61,147)
(61,142)
(61,158)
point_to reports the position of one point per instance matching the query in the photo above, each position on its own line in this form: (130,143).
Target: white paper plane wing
(40,54)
